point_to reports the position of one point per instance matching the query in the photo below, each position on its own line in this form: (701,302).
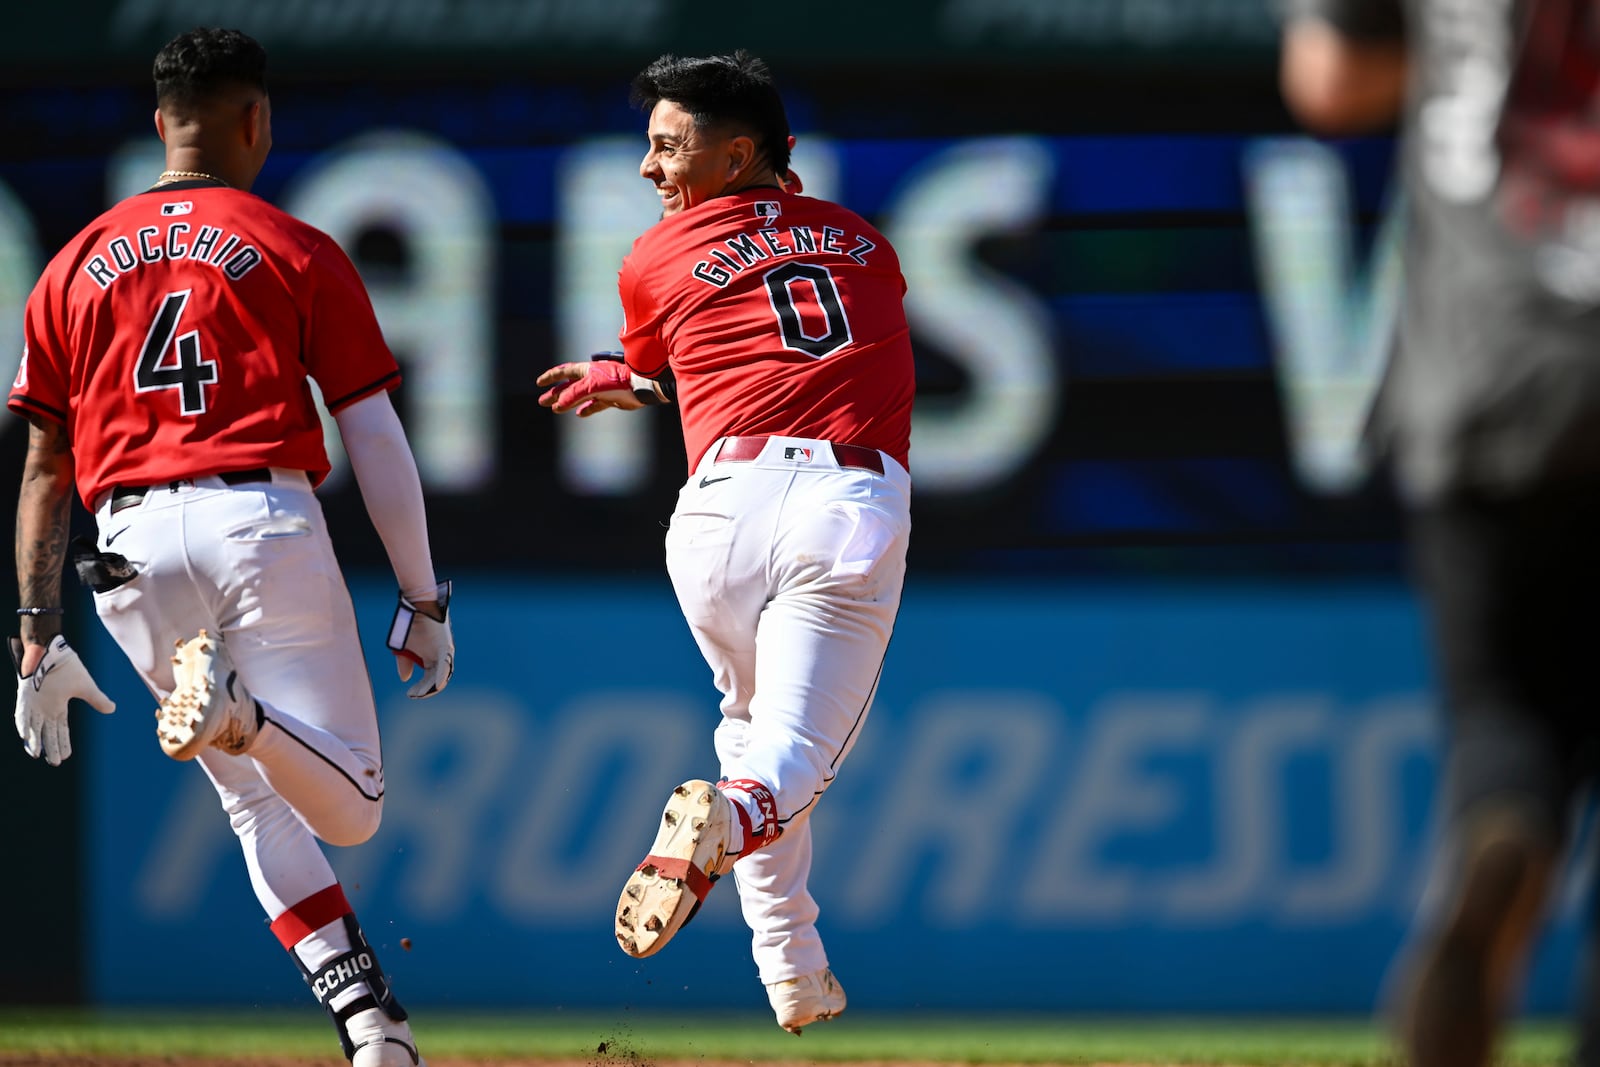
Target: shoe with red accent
(811,998)
(689,855)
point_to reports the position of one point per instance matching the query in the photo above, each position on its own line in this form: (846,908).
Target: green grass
(860,1036)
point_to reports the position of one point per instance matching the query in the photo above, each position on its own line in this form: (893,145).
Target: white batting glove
(43,696)
(418,640)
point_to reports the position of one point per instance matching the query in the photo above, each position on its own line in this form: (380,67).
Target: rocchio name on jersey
(747,249)
(176,240)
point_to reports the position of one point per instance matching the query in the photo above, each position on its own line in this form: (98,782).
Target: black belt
(126,496)
(748,448)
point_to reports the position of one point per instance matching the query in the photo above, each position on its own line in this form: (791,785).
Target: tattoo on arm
(44,513)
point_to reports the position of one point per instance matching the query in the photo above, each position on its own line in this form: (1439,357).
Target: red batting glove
(588,388)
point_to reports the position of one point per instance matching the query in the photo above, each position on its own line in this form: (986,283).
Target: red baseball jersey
(778,315)
(175,335)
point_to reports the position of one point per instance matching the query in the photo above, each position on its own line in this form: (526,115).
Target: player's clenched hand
(588,388)
(419,636)
(43,695)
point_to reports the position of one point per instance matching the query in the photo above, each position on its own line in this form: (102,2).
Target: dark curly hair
(193,67)
(721,90)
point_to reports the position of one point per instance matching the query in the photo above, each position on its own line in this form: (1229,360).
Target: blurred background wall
(1156,730)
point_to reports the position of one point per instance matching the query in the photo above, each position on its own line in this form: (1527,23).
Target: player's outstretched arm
(49,673)
(386,471)
(587,388)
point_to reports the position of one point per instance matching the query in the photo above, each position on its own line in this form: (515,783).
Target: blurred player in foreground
(1491,418)
(164,372)
(775,322)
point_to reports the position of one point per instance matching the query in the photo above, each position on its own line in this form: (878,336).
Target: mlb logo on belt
(797,453)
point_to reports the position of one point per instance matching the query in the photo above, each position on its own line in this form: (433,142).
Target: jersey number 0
(835,332)
(169,362)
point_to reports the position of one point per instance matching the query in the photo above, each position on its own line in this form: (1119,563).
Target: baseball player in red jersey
(165,375)
(775,321)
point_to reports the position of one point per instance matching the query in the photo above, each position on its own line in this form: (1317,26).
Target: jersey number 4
(827,330)
(170,361)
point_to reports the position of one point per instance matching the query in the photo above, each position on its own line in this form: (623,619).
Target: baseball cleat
(811,998)
(381,1041)
(207,705)
(689,855)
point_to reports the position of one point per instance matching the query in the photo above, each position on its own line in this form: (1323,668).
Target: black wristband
(41,611)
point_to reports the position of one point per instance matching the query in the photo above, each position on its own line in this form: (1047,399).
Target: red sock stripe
(310,915)
(768,805)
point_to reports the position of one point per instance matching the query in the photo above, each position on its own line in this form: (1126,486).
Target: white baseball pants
(789,570)
(253,564)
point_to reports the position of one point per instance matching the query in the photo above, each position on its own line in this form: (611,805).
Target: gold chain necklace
(179,175)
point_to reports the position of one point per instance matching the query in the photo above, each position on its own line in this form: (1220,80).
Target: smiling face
(689,165)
